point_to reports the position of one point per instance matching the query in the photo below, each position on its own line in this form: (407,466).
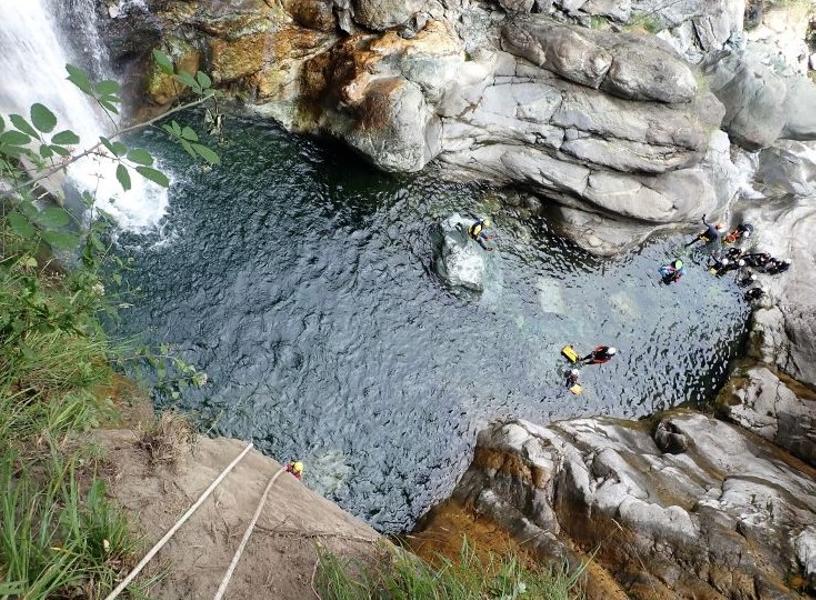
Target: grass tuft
(406,577)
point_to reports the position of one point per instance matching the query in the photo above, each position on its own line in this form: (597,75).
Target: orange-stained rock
(314,14)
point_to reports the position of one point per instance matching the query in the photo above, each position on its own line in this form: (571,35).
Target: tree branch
(48,173)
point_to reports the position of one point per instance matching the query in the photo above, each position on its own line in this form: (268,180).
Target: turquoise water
(302,281)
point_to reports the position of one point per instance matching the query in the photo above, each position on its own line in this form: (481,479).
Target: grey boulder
(460,261)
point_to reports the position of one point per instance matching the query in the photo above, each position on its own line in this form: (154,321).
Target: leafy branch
(30,152)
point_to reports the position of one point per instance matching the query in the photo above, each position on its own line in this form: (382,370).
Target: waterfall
(33,54)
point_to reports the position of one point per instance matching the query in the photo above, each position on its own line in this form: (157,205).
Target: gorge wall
(577,102)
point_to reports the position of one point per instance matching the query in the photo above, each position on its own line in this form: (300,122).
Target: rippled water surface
(302,282)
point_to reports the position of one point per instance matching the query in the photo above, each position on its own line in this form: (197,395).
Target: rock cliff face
(576,101)
(684,506)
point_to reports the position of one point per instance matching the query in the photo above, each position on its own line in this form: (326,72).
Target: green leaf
(20,225)
(203,80)
(115,148)
(61,240)
(189,134)
(109,106)
(140,156)
(188,148)
(79,78)
(108,86)
(207,154)
(65,138)
(164,61)
(154,176)
(188,80)
(14,138)
(53,217)
(60,150)
(43,119)
(46,151)
(20,123)
(117,278)
(27,208)
(2,124)
(123,176)
(87,199)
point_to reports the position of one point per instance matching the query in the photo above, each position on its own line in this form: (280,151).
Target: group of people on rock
(734,258)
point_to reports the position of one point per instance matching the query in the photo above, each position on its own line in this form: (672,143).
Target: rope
(225,582)
(121,587)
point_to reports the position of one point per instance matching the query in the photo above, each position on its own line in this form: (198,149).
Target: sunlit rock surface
(720,513)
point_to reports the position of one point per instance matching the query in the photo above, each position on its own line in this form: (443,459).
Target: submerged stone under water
(302,282)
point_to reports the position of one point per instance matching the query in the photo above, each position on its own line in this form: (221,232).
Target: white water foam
(32,68)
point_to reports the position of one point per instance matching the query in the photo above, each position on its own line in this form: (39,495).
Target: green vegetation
(645,22)
(405,577)
(60,537)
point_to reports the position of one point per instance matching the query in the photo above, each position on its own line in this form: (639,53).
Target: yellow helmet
(297,466)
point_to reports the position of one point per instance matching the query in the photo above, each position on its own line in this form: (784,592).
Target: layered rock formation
(609,121)
(683,506)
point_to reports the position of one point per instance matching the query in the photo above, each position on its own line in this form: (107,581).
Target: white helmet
(612,351)
(741,263)
(725,262)
(575,372)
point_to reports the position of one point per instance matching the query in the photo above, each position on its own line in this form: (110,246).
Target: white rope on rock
(237,557)
(137,569)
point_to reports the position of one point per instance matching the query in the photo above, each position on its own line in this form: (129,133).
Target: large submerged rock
(460,261)
(715,513)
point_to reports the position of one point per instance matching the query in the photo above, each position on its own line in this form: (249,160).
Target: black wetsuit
(747,280)
(598,356)
(774,267)
(757,259)
(733,253)
(754,294)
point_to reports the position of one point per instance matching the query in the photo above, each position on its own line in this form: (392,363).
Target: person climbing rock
(758,260)
(742,232)
(754,294)
(479,231)
(672,272)
(717,264)
(572,377)
(712,234)
(600,355)
(777,266)
(296,469)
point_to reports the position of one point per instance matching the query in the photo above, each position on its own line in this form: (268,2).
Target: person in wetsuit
(479,232)
(712,234)
(743,231)
(758,260)
(733,253)
(672,272)
(747,279)
(754,294)
(600,355)
(776,266)
(726,266)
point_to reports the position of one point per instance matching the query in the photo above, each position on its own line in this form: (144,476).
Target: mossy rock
(162,88)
